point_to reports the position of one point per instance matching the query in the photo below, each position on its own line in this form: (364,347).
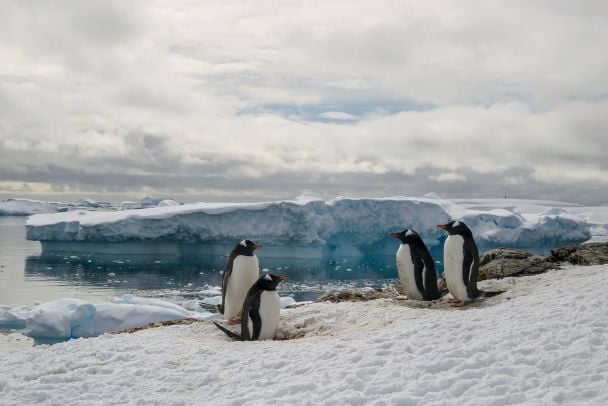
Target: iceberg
(27,207)
(72,318)
(303,227)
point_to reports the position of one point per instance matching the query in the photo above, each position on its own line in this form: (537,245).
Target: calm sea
(29,276)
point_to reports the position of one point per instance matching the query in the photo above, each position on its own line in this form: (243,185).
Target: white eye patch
(410,232)
(456,224)
(243,243)
(268,277)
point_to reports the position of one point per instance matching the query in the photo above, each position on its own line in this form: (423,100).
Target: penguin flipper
(225,278)
(229,333)
(470,265)
(418,275)
(431,291)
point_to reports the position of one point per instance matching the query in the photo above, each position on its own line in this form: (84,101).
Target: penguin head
(407,236)
(456,227)
(270,281)
(246,247)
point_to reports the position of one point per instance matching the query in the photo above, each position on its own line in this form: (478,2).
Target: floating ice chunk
(13,316)
(130,299)
(118,316)
(285,301)
(56,319)
(168,202)
(212,301)
(25,207)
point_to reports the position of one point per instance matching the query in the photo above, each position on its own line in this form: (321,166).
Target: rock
(586,254)
(358,295)
(503,262)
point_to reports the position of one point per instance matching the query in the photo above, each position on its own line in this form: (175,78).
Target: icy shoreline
(542,342)
(305,227)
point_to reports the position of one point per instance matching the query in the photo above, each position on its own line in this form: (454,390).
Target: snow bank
(70,318)
(339,226)
(26,207)
(543,342)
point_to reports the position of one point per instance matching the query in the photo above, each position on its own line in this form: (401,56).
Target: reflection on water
(191,276)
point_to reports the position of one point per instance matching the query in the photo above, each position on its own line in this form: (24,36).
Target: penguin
(260,315)
(416,267)
(461,264)
(241,271)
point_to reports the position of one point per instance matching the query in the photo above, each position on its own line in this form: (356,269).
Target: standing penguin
(416,267)
(241,271)
(461,264)
(260,315)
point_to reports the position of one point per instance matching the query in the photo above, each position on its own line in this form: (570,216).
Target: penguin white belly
(245,272)
(405,268)
(453,257)
(270,310)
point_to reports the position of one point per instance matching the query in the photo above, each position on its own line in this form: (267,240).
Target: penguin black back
(245,248)
(425,273)
(470,258)
(251,309)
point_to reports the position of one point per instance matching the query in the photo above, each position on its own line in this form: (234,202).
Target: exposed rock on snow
(307,226)
(586,254)
(358,295)
(503,262)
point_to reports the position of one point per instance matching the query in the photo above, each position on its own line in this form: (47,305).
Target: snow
(310,226)
(26,207)
(542,342)
(69,318)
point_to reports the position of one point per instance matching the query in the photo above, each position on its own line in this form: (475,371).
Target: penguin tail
(229,333)
(490,294)
(220,309)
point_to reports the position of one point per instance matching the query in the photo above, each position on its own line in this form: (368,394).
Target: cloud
(221,100)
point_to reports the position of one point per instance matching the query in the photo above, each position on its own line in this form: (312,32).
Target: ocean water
(29,276)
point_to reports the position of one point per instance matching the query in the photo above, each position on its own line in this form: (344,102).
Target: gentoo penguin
(416,267)
(240,273)
(260,315)
(461,264)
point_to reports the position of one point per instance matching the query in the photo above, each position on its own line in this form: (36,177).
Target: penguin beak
(394,235)
(282,278)
(256,246)
(443,226)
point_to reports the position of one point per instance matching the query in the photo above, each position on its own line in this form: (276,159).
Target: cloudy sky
(235,100)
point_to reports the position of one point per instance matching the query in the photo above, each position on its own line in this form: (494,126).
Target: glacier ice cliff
(302,227)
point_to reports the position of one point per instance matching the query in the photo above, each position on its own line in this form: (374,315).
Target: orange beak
(282,278)
(443,226)
(394,235)
(256,246)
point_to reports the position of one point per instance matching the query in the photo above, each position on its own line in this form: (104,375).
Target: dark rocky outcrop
(359,295)
(586,254)
(503,262)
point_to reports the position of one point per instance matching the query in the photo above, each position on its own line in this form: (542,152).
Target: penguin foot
(235,320)
(452,300)
(457,303)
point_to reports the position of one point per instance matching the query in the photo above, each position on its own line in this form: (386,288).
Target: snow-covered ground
(545,341)
(311,226)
